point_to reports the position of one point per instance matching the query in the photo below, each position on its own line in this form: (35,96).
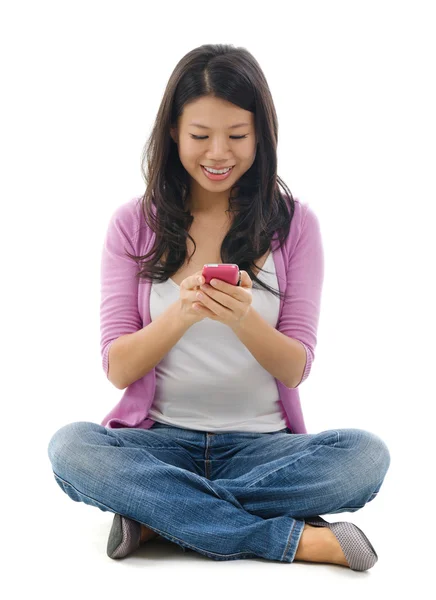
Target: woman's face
(220,144)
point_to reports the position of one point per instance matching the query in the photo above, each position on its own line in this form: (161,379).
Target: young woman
(208,447)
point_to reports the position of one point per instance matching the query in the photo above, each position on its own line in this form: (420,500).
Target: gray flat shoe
(124,537)
(356,547)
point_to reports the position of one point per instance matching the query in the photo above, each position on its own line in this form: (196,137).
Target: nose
(218,148)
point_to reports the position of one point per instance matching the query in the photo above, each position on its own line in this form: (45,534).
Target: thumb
(245,279)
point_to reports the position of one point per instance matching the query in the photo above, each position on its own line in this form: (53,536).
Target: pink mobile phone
(228,272)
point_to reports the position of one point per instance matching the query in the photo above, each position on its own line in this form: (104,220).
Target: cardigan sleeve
(119,313)
(305,276)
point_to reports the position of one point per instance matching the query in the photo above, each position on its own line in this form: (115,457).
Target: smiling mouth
(222,168)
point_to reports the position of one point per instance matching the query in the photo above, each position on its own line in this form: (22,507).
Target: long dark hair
(233,74)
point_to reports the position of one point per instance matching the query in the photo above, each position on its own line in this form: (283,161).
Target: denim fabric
(227,495)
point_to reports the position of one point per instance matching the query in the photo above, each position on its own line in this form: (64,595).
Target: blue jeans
(227,495)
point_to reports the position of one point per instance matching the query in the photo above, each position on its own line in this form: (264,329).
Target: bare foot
(147,534)
(319,544)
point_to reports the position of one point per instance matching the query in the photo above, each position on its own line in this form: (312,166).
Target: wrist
(179,315)
(241,325)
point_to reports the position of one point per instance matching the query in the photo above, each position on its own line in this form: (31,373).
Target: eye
(233,137)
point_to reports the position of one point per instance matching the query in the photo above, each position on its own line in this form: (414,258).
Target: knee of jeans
(371,446)
(379,454)
(61,441)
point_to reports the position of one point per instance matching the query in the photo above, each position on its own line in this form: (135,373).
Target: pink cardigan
(125,304)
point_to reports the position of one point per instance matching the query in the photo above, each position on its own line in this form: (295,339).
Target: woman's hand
(187,289)
(229,304)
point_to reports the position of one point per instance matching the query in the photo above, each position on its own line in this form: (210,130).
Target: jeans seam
(315,448)
(289,542)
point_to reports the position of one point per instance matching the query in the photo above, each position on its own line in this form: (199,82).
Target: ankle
(313,546)
(305,544)
(147,534)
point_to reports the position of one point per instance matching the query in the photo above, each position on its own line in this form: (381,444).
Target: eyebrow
(231,127)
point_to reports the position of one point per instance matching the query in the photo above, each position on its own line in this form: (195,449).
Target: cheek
(248,153)
(247,160)
(192,156)
(187,149)
(189,158)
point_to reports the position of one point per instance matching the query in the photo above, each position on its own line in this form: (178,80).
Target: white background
(354,89)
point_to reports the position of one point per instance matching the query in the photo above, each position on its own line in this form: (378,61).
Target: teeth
(218,172)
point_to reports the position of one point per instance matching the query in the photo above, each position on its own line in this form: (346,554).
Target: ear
(174,134)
